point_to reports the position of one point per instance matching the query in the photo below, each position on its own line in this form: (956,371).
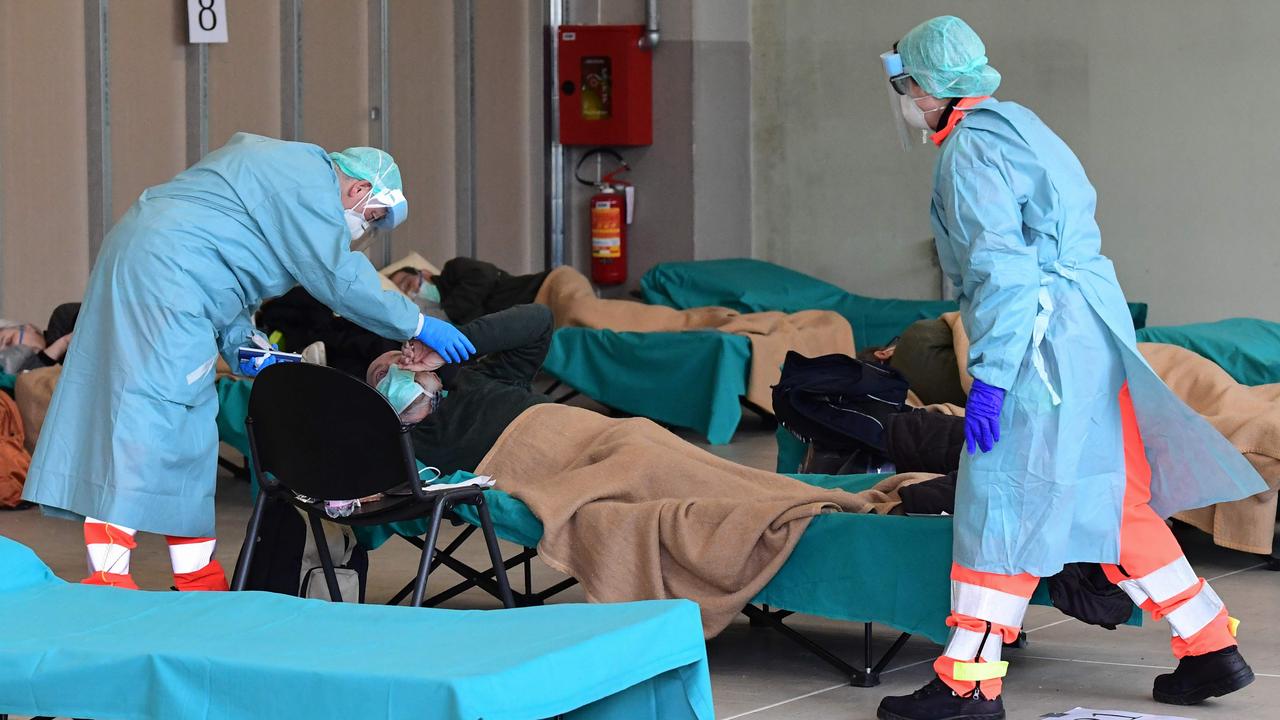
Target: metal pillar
(464,104)
(291,69)
(98,122)
(197,102)
(380,94)
(555,172)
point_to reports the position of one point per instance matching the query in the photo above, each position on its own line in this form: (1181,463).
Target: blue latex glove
(982,416)
(445,339)
(250,367)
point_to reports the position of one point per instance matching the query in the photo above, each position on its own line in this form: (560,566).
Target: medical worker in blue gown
(130,441)
(1077,450)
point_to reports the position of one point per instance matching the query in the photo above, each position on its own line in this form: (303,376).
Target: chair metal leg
(495,553)
(428,553)
(250,540)
(326,560)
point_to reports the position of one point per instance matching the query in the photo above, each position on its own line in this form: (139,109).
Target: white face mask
(356,223)
(912,114)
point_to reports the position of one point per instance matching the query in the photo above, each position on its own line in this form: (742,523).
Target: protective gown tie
(1049,275)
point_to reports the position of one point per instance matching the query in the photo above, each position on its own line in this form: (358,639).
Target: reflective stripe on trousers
(1152,571)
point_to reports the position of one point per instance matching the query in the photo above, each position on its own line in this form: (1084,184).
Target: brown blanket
(34,391)
(1247,416)
(1250,418)
(14,459)
(636,513)
(813,332)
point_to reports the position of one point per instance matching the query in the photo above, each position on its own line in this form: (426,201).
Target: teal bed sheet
(687,379)
(83,651)
(749,285)
(1247,348)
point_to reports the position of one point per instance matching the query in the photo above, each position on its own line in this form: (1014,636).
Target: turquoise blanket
(82,651)
(687,379)
(1247,348)
(750,285)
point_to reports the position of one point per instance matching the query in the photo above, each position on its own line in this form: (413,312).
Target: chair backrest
(325,434)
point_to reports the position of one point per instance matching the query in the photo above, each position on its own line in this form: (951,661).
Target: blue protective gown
(1013,217)
(130,436)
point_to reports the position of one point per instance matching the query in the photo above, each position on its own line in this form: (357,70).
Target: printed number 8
(206,6)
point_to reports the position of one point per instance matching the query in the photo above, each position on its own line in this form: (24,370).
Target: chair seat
(398,503)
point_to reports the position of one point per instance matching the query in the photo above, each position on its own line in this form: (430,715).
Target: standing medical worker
(130,442)
(1084,450)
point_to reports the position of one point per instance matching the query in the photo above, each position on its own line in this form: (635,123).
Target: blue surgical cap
(947,59)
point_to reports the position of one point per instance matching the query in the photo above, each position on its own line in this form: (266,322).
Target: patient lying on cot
(466,288)
(463,409)
(24,346)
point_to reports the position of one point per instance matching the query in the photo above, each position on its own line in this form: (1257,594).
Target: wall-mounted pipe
(649,40)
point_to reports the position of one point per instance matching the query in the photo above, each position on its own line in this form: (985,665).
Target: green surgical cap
(372,164)
(947,58)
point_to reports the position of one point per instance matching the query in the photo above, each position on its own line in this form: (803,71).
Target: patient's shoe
(1200,677)
(937,701)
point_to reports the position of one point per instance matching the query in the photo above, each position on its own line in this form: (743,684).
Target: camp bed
(1247,348)
(85,651)
(890,570)
(750,285)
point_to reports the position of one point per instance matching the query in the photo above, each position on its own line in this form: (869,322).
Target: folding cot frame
(866,675)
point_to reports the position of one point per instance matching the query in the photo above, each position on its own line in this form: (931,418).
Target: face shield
(898,87)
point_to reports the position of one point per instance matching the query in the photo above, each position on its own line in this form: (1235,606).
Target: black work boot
(1199,677)
(937,701)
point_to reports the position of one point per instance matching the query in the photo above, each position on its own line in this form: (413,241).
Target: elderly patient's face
(419,409)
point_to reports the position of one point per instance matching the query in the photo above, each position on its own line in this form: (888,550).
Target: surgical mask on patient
(399,388)
(429,292)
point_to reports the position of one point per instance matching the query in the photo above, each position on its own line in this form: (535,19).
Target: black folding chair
(318,434)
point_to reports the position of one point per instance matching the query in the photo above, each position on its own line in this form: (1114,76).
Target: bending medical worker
(1076,450)
(130,441)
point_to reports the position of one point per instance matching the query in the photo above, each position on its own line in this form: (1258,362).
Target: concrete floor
(760,674)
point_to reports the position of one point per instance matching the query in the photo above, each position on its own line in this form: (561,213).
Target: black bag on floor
(838,403)
(1083,591)
(286,561)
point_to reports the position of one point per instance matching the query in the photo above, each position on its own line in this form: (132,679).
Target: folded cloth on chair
(816,332)
(82,651)
(634,512)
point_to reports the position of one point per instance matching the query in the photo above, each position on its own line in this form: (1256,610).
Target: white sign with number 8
(206,21)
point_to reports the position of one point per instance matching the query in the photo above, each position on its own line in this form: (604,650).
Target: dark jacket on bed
(471,288)
(484,396)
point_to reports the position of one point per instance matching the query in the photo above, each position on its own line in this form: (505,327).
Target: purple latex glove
(982,416)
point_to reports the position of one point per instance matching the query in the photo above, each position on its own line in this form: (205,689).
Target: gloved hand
(250,367)
(445,339)
(982,416)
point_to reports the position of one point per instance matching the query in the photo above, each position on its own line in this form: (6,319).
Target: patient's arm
(511,344)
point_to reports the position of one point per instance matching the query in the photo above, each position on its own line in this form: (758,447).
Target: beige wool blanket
(635,513)
(812,332)
(1248,416)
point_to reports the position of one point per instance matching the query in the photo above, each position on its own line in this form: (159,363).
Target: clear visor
(396,205)
(898,85)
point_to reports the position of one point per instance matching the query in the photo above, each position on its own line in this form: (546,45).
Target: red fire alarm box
(605,85)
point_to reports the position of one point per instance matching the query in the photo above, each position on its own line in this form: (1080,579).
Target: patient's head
(22,334)
(395,379)
(410,280)
(877,353)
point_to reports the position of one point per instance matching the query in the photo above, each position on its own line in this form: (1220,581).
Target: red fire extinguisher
(611,212)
